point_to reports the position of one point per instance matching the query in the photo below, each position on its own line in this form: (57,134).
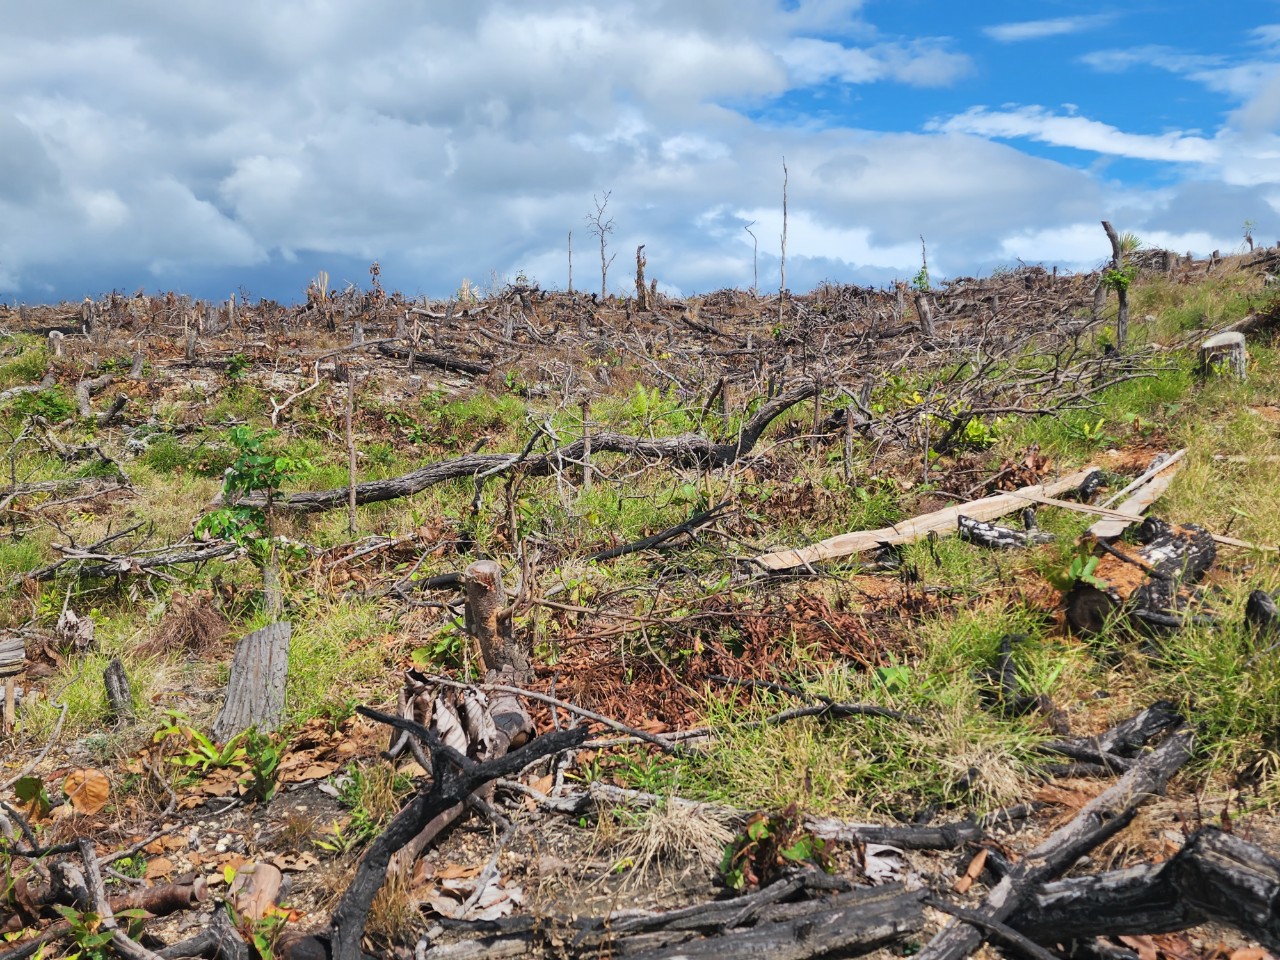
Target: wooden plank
(1151,472)
(940,521)
(1133,508)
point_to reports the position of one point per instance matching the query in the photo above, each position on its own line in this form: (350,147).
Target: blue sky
(207,148)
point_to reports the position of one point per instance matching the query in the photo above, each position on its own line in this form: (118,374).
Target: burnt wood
(1146,581)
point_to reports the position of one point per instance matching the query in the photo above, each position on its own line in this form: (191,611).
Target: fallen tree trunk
(439,360)
(1100,819)
(1215,876)
(1148,583)
(770,923)
(687,450)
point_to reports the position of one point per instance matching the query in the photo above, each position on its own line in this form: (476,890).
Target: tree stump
(13,660)
(119,696)
(255,691)
(1224,354)
(485,621)
(1149,582)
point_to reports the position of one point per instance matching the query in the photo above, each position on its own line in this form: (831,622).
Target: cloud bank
(208,146)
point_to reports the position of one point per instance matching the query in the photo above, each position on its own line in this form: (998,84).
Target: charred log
(1148,583)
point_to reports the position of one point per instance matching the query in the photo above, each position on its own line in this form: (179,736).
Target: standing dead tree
(782,282)
(1117,277)
(602,227)
(642,290)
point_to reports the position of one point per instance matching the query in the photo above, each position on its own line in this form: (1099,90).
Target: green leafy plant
(263,932)
(1120,278)
(1082,570)
(88,934)
(921,280)
(237,365)
(768,845)
(264,755)
(448,648)
(200,754)
(54,405)
(255,470)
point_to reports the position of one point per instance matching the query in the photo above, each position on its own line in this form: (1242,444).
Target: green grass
(26,361)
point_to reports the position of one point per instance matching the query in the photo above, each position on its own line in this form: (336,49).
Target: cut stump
(1224,354)
(255,692)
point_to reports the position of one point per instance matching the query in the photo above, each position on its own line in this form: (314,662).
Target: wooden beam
(943,521)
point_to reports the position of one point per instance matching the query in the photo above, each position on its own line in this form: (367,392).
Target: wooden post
(586,446)
(351,455)
(488,621)
(256,689)
(1224,353)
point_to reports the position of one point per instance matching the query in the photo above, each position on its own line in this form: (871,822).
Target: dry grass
(193,624)
(667,840)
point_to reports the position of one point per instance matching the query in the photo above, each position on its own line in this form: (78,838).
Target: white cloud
(1040,29)
(1081,133)
(146,142)
(922,63)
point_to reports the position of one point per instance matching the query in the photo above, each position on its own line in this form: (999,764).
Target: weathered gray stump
(13,660)
(256,689)
(1225,354)
(925,311)
(119,696)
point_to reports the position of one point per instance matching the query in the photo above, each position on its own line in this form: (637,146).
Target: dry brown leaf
(87,789)
(158,867)
(1250,953)
(544,784)
(456,871)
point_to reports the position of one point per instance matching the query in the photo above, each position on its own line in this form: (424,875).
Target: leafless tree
(755,259)
(602,227)
(571,261)
(782,283)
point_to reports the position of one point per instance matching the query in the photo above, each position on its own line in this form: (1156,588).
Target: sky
(246,146)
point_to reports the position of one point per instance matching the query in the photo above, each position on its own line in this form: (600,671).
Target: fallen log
(770,923)
(1149,583)
(686,450)
(1099,820)
(1215,876)
(997,537)
(439,360)
(940,521)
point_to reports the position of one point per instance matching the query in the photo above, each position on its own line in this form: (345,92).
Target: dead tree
(1118,278)
(453,779)
(642,291)
(602,227)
